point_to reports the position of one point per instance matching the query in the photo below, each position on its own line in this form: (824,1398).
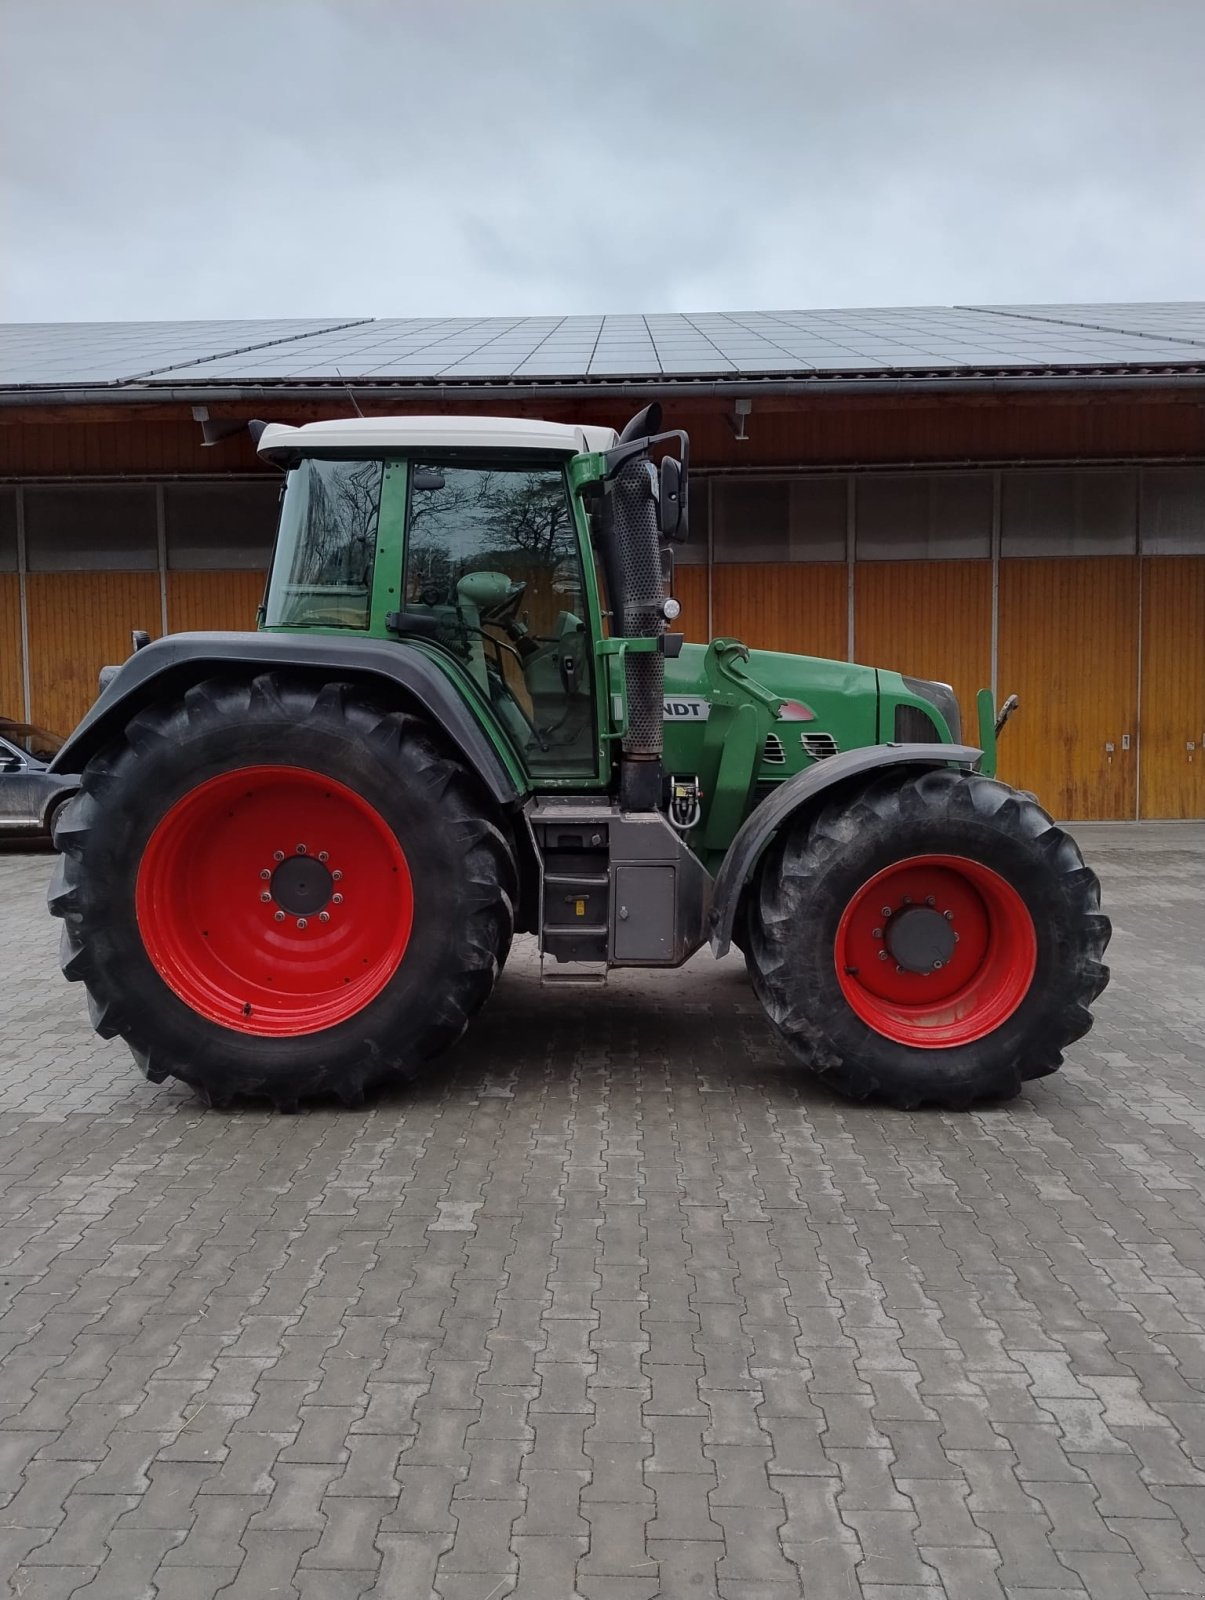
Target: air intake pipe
(633,518)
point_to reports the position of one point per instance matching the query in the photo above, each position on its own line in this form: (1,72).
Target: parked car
(29,794)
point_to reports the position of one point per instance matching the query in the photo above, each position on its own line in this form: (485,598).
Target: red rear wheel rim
(274,900)
(935,951)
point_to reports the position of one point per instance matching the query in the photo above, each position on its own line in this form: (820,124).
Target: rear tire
(247,970)
(962,1020)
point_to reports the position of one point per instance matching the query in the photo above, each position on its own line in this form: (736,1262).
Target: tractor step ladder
(556,974)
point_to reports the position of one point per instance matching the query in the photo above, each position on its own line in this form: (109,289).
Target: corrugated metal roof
(897,340)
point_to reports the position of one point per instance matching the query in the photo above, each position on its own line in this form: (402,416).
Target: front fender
(762,824)
(170,665)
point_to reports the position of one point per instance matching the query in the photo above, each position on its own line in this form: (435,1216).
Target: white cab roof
(373,434)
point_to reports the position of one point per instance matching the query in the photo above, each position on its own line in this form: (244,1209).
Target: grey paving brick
(80,1536)
(132,1558)
(215,1534)
(654,1320)
(592,1587)
(1165,1564)
(348,1535)
(889,1548)
(682,1508)
(1023,1542)
(548,1565)
(617,1535)
(49,1583)
(686,1567)
(1105,1577)
(751,1550)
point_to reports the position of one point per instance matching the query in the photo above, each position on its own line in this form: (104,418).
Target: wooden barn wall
(1081,640)
(1069,650)
(783,431)
(200,600)
(1172,775)
(78,623)
(691,592)
(930,619)
(839,432)
(12,693)
(797,607)
(74,448)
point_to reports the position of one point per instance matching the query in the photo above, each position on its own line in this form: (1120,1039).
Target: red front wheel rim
(935,951)
(274,901)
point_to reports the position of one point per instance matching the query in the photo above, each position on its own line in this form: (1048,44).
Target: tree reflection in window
(493,563)
(322,573)
(488,519)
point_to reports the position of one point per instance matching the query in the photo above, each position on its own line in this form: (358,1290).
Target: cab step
(572,974)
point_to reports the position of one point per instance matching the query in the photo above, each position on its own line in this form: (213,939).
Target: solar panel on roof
(826,340)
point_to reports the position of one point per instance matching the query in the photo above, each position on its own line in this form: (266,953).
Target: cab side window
(492,559)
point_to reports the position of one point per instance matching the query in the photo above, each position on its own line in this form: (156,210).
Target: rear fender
(795,795)
(170,665)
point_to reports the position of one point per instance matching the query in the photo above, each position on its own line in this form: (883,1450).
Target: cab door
(493,567)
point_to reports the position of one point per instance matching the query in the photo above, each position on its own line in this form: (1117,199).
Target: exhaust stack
(642,502)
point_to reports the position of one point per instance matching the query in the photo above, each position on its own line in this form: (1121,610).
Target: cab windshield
(322,566)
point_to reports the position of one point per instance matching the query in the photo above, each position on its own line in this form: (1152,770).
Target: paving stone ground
(617,1305)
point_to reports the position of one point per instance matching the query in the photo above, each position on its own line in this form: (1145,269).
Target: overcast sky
(225,158)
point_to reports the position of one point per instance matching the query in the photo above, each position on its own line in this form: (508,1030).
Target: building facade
(1042,533)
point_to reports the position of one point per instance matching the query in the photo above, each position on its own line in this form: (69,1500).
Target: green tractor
(297,856)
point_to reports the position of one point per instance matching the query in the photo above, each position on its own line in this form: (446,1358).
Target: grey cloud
(312,157)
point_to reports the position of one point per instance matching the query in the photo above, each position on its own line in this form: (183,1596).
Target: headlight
(943,697)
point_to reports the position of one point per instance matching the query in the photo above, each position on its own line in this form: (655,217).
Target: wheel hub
(302,886)
(920,939)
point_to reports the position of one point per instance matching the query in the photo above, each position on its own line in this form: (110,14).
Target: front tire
(281,889)
(929,940)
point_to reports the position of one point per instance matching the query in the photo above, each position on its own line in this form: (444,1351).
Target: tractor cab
(464,539)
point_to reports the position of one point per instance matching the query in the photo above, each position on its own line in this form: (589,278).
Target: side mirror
(139,638)
(672,498)
(427,478)
(11,764)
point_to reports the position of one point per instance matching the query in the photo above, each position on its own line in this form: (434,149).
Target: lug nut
(265,874)
(300,850)
(878,933)
(930,900)
(265,897)
(882,955)
(336,899)
(278,855)
(907,899)
(948,915)
(884,911)
(280,916)
(336,874)
(302,923)
(324,916)
(324,855)
(938,965)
